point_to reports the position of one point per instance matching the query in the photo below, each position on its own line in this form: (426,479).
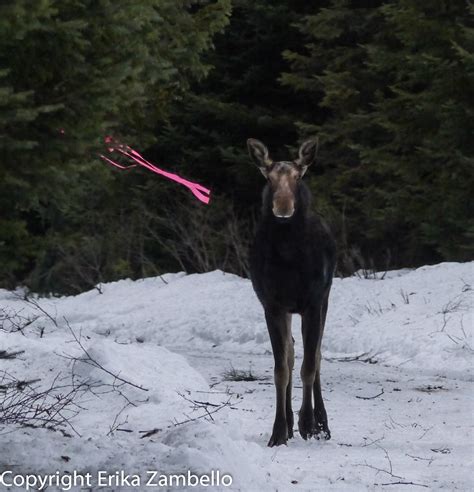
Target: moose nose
(283,215)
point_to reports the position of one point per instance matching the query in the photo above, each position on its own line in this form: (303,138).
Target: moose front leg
(280,337)
(291,364)
(312,334)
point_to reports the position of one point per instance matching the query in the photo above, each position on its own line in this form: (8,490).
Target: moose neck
(294,223)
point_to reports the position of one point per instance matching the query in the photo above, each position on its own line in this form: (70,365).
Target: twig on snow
(405,483)
(370,397)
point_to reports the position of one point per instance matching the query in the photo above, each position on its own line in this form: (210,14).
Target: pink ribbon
(199,191)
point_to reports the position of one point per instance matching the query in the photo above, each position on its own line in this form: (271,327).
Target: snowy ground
(397,377)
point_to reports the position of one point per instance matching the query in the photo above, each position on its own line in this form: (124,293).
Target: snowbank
(422,319)
(134,388)
(419,318)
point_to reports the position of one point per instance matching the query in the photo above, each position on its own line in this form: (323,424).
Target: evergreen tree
(206,133)
(387,85)
(73,72)
(425,117)
(394,132)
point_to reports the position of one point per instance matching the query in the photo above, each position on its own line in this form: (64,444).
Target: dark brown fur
(292,263)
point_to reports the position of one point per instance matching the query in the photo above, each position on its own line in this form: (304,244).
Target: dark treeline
(388,86)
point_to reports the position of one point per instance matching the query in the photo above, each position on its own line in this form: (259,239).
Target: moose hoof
(322,432)
(277,441)
(306,425)
(321,428)
(279,436)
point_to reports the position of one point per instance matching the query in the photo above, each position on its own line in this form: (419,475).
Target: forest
(387,86)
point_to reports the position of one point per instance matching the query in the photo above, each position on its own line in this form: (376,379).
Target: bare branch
(370,397)
(93,362)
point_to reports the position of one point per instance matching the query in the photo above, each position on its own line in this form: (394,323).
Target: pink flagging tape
(200,192)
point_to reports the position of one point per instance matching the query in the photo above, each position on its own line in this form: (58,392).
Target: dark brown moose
(292,263)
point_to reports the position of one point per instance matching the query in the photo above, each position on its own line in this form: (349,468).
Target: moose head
(283,176)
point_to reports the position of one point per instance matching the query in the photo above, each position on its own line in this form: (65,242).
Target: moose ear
(259,154)
(307,154)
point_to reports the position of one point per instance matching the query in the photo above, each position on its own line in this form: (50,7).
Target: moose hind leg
(320,416)
(291,364)
(311,328)
(280,338)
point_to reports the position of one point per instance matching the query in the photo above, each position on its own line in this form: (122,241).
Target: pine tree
(74,71)
(425,115)
(332,75)
(206,133)
(395,81)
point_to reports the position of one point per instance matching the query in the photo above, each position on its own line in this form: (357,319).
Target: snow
(397,376)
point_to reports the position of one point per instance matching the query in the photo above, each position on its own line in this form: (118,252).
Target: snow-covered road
(414,433)
(157,391)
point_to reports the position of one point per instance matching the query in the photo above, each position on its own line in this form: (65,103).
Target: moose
(292,262)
